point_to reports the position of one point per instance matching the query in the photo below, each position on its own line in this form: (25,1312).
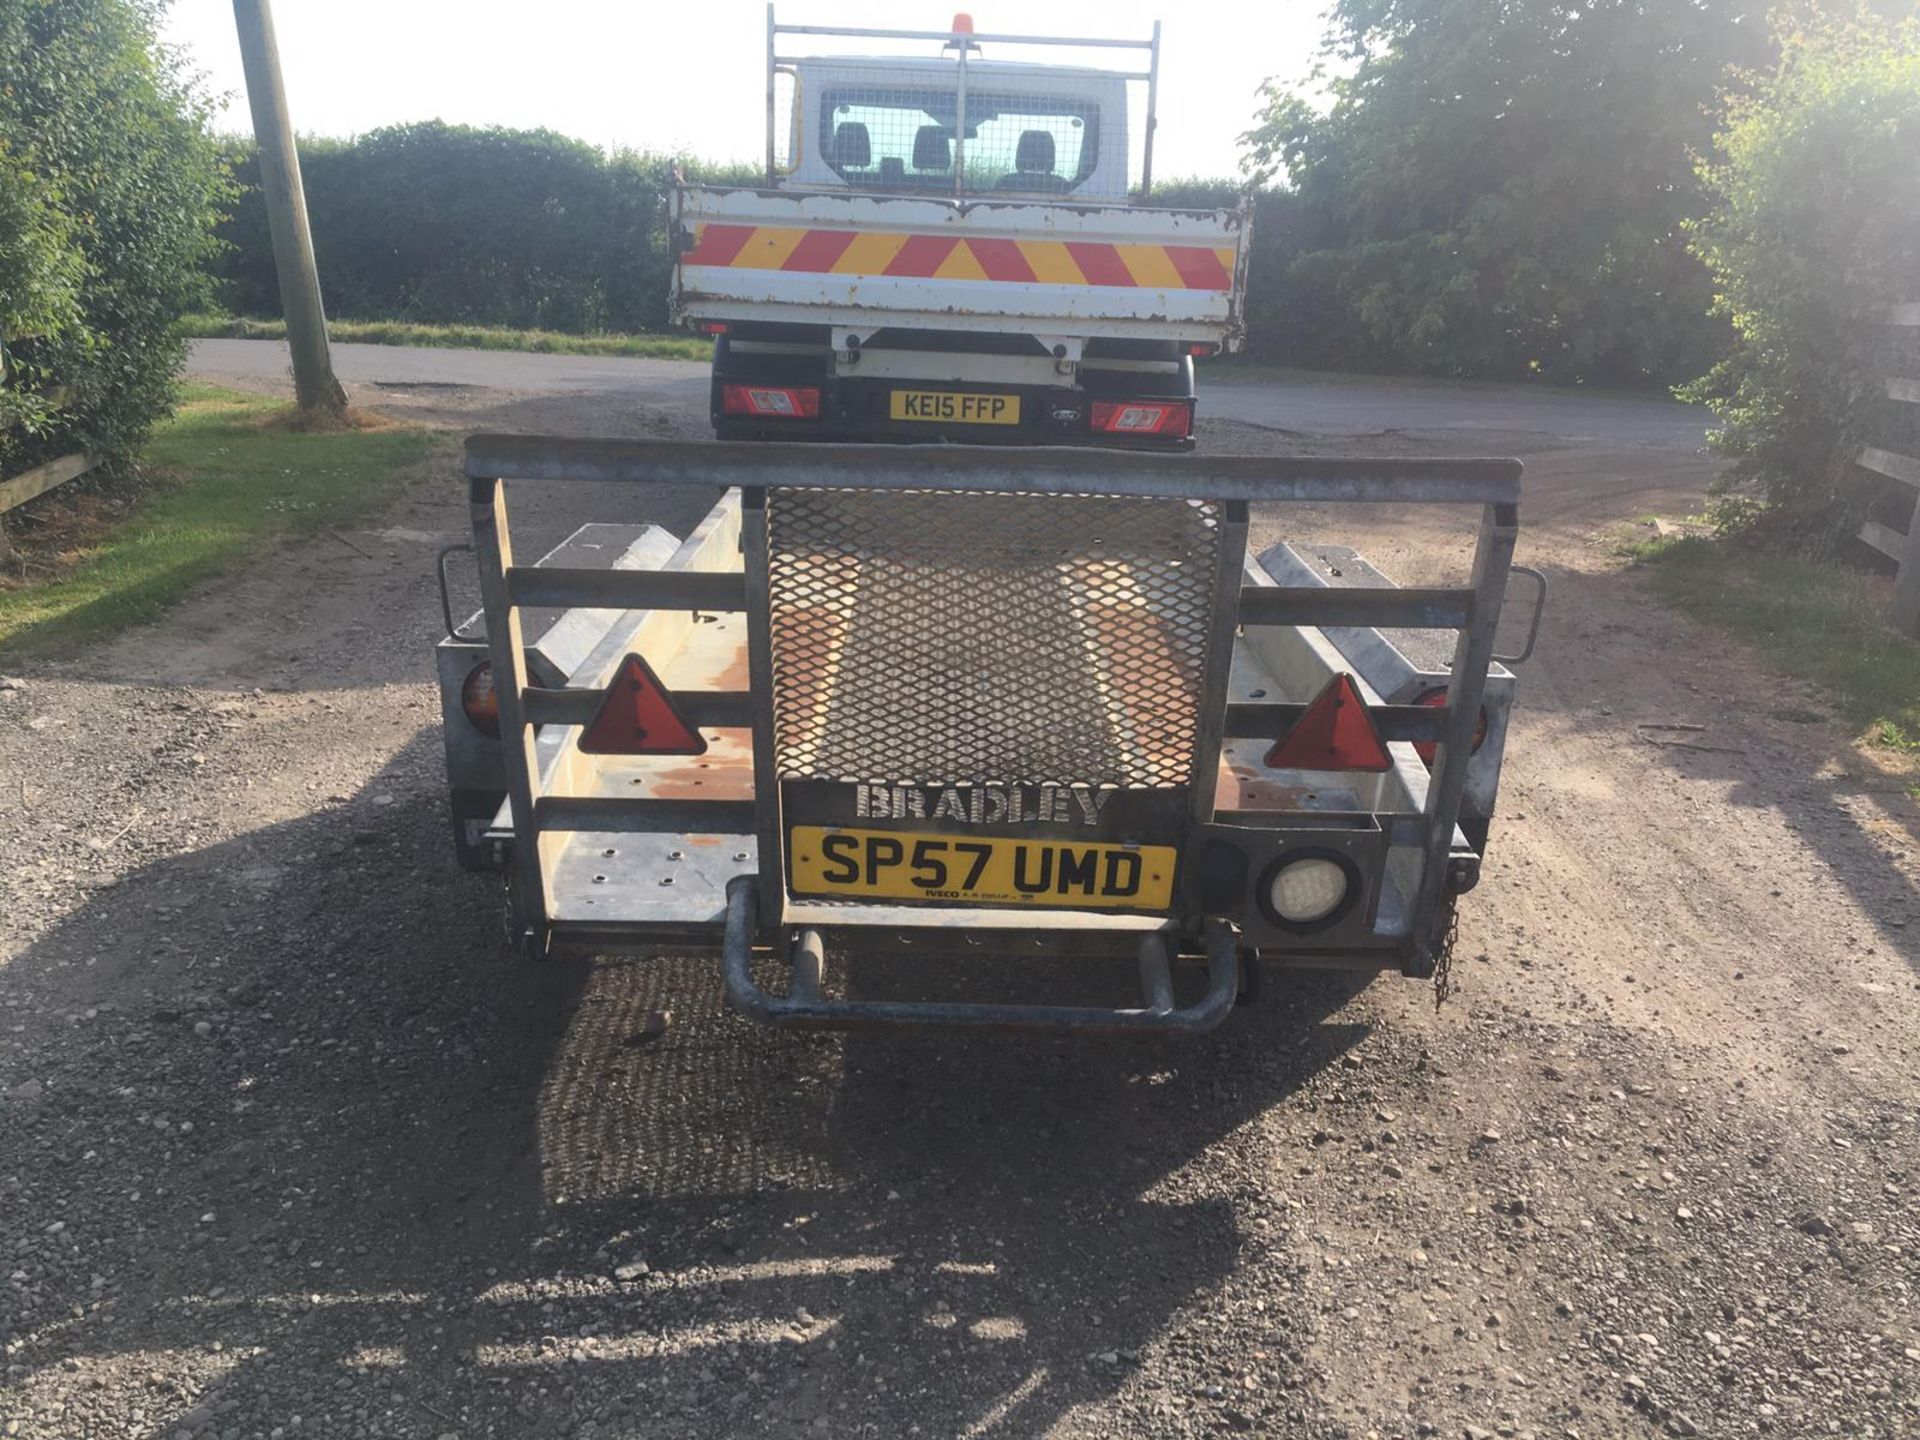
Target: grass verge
(223,478)
(1818,622)
(458,337)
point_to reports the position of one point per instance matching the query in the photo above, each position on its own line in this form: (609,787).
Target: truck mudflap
(942,700)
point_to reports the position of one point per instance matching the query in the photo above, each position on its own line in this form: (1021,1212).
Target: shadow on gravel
(334,1154)
(1689,704)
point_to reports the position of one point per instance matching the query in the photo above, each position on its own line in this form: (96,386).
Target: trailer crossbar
(1016,469)
(643,815)
(719,708)
(560,589)
(1270,720)
(1410,609)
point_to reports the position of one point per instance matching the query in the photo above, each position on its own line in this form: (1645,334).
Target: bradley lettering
(1046,804)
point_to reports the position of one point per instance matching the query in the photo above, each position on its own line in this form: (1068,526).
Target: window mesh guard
(880,130)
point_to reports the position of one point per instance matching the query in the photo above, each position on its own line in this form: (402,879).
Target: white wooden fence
(37,481)
(1901,547)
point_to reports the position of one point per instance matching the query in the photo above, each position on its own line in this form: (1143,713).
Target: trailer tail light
(1334,733)
(638,717)
(478,699)
(1144,417)
(1202,350)
(1436,699)
(771,402)
(1308,890)
(713,327)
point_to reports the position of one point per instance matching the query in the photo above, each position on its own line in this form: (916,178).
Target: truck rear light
(1202,351)
(771,401)
(478,699)
(638,717)
(1143,417)
(1334,733)
(1436,699)
(713,327)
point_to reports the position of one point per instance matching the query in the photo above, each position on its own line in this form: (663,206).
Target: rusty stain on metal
(735,675)
(1247,787)
(725,772)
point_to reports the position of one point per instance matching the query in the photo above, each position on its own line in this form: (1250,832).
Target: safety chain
(1447,925)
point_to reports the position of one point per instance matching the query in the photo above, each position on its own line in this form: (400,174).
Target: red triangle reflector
(1334,733)
(638,717)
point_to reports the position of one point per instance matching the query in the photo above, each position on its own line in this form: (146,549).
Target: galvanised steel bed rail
(1473,610)
(1037,469)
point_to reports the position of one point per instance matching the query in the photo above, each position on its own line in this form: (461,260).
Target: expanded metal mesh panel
(880,128)
(953,638)
(1058,120)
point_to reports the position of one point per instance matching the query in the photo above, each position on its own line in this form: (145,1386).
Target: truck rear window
(904,137)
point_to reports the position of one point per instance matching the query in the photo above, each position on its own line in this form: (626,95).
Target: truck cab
(953,246)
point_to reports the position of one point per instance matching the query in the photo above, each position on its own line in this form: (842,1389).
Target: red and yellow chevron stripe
(951,257)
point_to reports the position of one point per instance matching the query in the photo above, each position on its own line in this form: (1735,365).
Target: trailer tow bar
(805,1007)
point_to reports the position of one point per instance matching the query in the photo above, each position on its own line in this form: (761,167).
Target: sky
(690,78)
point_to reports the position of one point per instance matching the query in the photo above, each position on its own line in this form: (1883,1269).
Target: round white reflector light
(1306,890)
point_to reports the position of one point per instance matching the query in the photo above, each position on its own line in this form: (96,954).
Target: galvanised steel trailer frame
(630,854)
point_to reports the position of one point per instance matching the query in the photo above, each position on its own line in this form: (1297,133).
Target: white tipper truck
(952,246)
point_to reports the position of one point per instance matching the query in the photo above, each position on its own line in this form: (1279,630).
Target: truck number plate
(947,405)
(840,863)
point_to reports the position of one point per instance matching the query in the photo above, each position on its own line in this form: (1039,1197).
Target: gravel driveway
(291,1146)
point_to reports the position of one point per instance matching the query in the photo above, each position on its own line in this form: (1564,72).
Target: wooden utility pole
(313,383)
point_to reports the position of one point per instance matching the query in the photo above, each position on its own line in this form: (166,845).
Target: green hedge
(449,224)
(109,186)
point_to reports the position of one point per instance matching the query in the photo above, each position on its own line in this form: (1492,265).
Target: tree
(109,188)
(1810,237)
(1499,185)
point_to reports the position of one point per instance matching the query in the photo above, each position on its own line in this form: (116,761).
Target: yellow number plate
(896,865)
(948,407)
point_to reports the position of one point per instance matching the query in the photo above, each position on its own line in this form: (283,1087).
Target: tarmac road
(1326,405)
